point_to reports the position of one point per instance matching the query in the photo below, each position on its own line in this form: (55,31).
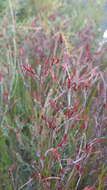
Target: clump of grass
(53,107)
(55,119)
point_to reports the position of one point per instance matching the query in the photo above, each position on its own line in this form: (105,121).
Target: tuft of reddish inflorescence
(68,105)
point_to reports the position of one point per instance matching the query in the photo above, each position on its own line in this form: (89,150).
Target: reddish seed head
(55,60)
(55,150)
(1,76)
(74,86)
(28,68)
(63,142)
(56,106)
(69,83)
(83,126)
(65,67)
(89,188)
(56,154)
(99,140)
(68,113)
(88,148)
(81,84)
(46,180)
(42,157)
(12,167)
(61,171)
(51,17)
(61,39)
(105,125)
(52,123)
(79,168)
(105,106)
(6,95)
(75,107)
